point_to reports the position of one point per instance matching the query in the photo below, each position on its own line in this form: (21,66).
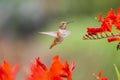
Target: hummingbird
(58,35)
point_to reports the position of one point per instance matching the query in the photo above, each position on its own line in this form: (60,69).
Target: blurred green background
(20,42)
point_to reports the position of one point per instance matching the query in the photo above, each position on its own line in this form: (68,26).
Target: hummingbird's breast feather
(64,33)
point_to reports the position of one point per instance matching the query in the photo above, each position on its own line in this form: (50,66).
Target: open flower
(108,21)
(8,73)
(99,76)
(57,70)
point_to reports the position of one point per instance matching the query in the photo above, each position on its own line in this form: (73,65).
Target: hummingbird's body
(61,34)
(58,35)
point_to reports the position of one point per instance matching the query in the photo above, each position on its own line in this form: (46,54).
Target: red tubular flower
(8,73)
(67,72)
(106,25)
(99,76)
(115,38)
(57,70)
(111,14)
(93,31)
(108,21)
(100,17)
(38,71)
(111,39)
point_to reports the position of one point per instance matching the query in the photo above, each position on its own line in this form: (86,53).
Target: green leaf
(116,69)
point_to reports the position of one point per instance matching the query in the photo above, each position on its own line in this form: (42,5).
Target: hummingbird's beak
(69,22)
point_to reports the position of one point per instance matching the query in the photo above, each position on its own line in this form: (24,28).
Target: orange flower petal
(99,76)
(6,72)
(100,17)
(55,68)
(111,14)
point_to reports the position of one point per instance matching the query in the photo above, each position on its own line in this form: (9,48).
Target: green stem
(116,69)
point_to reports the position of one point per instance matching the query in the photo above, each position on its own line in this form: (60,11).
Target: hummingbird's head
(63,25)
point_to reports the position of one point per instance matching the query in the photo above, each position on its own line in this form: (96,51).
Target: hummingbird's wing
(67,33)
(53,34)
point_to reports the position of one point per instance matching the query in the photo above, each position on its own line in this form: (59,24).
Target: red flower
(93,31)
(106,26)
(6,72)
(111,14)
(111,39)
(100,17)
(99,76)
(38,70)
(67,72)
(57,70)
(115,38)
(108,21)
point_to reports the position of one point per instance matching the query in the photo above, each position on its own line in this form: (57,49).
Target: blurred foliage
(88,7)
(26,17)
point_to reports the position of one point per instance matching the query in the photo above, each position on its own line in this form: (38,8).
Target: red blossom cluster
(39,71)
(57,70)
(105,30)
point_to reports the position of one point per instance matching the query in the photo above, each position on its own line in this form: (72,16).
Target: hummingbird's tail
(53,44)
(51,47)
